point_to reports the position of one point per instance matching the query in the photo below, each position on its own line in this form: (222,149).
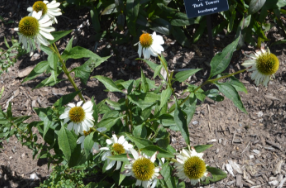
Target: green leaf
(140,131)
(83,71)
(144,100)
(202,148)
(59,34)
(255,6)
(221,60)
(151,149)
(94,15)
(39,69)
(2,91)
(65,99)
(88,143)
(69,45)
(6,43)
(67,142)
(53,61)
(157,71)
(181,122)
(120,105)
(216,173)
(52,80)
(214,95)
(139,142)
(108,123)
(132,9)
(78,52)
(144,84)
(109,9)
(237,84)
(230,92)
(184,75)
(167,174)
(165,96)
(189,108)
(179,35)
(121,157)
(108,83)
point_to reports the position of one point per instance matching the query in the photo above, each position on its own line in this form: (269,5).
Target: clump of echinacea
(143,169)
(117,146)
(50,9)
(150,45)
(264,65)
(34,30)
(79,117)
(190,166)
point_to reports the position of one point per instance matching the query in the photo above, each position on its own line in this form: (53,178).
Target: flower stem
(55,49)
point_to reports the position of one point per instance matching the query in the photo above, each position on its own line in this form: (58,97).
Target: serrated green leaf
(165,96)
(144,100)
(221,60)
(59,34)
(202,148)
(78,52)
(88,143)
(65,99)
(230,92)
(181,122)
(83,71)
(39,69)
(184,75)
(108,123)
(109,9)
(67,142)
(216,173)
(121,157)
(108,83)
(179,35)
(166,172)
(140,131)
(53,61)
(139,142)
(237,84)
(69,45)
(255,6)
(144,84)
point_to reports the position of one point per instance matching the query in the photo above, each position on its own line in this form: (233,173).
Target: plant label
(195,8)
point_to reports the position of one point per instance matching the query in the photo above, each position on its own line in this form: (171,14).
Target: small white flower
(190,166)
(143,169)
(79,118)
(264,65)
(150,45)
(80,140)
(118,146)
(34,30)
(51,9)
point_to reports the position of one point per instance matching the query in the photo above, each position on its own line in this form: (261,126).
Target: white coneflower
(34,30)
(79,118)
(117,147)
(51,9)
(264,65)
(143,169)
(150,45)
(190,166)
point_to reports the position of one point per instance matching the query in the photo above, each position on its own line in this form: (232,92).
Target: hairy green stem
(55,49)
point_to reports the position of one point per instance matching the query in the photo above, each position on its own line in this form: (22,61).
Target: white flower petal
(110,165)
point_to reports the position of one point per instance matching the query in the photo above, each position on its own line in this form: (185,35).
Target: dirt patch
(252,145)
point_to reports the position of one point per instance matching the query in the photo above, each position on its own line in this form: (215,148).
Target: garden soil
(249,147)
